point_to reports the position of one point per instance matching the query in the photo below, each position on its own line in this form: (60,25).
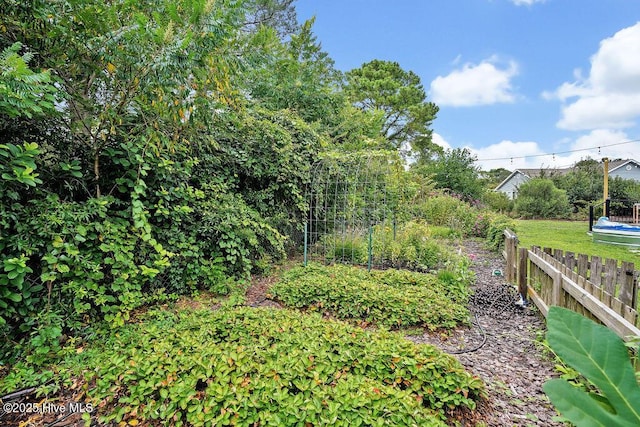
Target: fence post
(510,246)
(522,273)
(627,284)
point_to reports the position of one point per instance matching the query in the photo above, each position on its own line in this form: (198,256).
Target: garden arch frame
(349,195)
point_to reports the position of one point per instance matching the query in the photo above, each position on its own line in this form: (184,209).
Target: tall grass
(571,236)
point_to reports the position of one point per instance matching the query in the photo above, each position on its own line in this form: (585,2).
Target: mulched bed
(504,350)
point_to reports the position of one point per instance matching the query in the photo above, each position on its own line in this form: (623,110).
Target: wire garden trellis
(352,198)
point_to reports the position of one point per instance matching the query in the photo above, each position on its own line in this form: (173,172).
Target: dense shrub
(498,201)
(389,297)
(465,219)
(539,198)
(444,210)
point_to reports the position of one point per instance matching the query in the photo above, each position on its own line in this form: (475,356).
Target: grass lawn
(570,236)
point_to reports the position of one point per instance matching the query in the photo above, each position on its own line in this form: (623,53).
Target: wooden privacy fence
(598,288)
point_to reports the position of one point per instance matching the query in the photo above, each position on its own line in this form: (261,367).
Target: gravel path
(503,353)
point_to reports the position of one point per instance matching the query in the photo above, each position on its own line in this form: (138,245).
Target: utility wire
(560,152)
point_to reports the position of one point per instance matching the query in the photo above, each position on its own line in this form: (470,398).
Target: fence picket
(588,286)
(610,274)
(626,283)
(596,271)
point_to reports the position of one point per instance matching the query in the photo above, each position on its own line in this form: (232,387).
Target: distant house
(626,169)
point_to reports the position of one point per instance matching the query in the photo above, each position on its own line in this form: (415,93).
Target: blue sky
(530,83)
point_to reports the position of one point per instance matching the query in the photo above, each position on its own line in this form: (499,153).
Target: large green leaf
(599,355)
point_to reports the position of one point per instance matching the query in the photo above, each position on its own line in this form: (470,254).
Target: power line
(560,152)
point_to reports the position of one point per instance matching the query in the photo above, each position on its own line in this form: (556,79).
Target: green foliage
(17,296)
(539,198)
(451,211)
(244,366)
(583,184)
(411,245)
(498,201)
(624,189)
(455,172)
(86,256)
(24,92)
(385,87)
(389,297)
(347,248)
(17,170)
(442,210)
(495,231)
(598,354)
(298,77)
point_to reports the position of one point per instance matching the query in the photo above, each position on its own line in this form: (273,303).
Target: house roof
(549,172)
(618,164)
(533,173)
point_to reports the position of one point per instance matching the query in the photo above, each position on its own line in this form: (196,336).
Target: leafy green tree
(540,198)
(583,183)
(277,14)
(624,189)
(494,177)
(297,76)
(455,171)
(400,97)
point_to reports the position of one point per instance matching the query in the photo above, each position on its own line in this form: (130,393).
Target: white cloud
(610,96)
(475,84)
(509,155)
(597,144)
(437,139)
(614,144)
(526,2)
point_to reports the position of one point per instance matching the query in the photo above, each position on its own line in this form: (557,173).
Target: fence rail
(595,287)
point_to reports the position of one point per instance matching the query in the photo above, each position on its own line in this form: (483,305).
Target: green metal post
(306,228)
(370,249)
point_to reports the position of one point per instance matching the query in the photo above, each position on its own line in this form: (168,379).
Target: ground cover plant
(240,366)
(569,236)
(390,298)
